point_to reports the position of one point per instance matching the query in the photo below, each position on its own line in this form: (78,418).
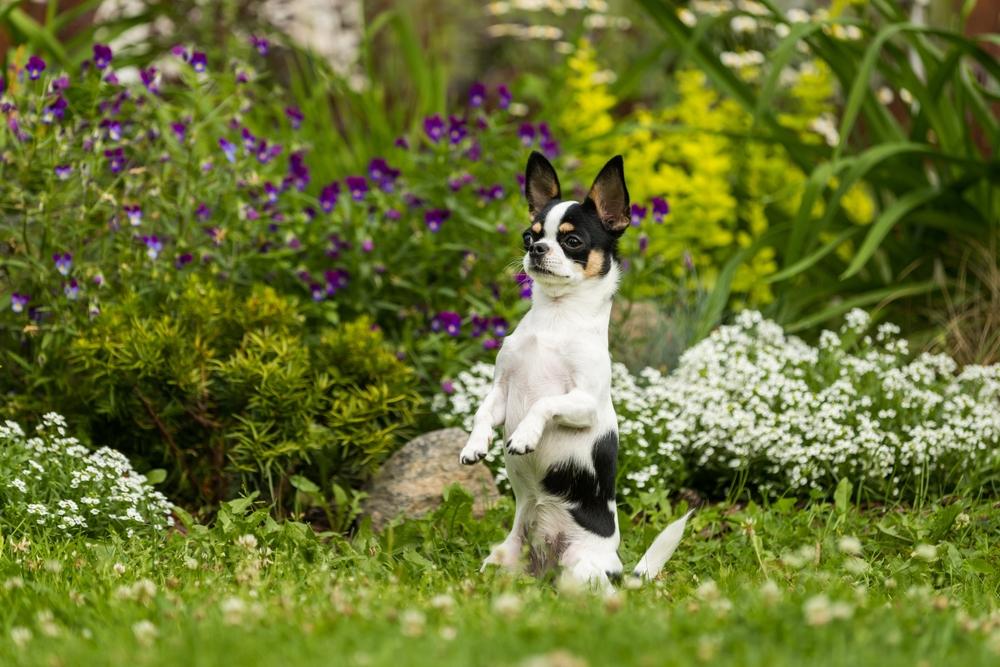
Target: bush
(751,408)
(226,391)
(51,483)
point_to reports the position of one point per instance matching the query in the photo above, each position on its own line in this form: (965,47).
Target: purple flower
(113,129)
(203,211)
(180,51)
(505,97)
(242,77)
(367,245)
(251,213)
(265,153)
(249,141)
(336,245)
(183,260)
(477,95)
(412,200)
(328,196)
(71,289)
(643,243)
(660,208)
(259,43)
(298,172)
(401,142)
(499,326)
(456,129)
(447,386)
(525,282)
(383,174)
(317,291)
(270,192)
(448,322)
(479,325)
(35,66)
(93,310)
(294,243)
(336,280)
(198,61)
(102,56)
(474,152)
(228,148)
(64,262)
(526,133)
(134,214)
(295,117)
(357,186)
(55,111)
(392,214)
(63,171)
(58,84)
(151,79)
(490,344)
(116,159)
(494,193)
(179,130)
(99,280)
(111,78)
(458,183)
(638,214)
(434,128)
(435,217)
(153,246)
(18,302)
(501,228)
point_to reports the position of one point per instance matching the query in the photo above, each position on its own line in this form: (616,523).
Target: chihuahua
(552,389)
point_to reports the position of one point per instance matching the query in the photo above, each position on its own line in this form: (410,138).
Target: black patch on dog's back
(588,493)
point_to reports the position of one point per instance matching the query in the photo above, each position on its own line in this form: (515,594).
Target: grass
(413,596)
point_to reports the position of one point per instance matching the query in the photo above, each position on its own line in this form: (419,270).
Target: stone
(411,482)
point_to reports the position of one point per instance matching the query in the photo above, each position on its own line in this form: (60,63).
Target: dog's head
(568,244)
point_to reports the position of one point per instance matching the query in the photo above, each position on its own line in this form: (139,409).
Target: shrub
(750,407)
(51,483)
(227,391)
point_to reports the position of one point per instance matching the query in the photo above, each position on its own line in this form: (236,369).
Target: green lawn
(923,589)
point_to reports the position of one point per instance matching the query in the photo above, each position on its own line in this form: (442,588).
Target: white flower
(145,632)
(507,604)
(248,542)
(20,635)
(849,545)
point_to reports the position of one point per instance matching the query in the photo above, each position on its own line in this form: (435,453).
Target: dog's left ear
(608,196)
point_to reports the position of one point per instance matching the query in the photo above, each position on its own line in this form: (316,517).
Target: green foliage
(228,391)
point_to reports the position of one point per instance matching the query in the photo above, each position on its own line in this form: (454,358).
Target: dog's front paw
(505,555)
(525,438)
(474,450)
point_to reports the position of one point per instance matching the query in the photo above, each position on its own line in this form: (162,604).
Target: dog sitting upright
(552,388)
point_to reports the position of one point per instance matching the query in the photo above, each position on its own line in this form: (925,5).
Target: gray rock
(412,481)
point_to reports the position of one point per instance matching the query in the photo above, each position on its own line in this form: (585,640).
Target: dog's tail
(661,549)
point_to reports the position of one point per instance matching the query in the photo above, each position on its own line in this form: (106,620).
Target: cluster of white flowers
(750,404)
(51,481)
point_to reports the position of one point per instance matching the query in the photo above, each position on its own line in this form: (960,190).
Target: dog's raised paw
(524,440)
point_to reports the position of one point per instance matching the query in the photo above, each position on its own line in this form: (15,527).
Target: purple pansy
(102,56)
(474,152)
(134,214)
(71,289)
(199,62)
(660,208)
(150,77)
(643,243)
(357,186)
(228,148)
(203,211)
(336,280)
(249,141)
(116,159)
(64,262)
(401,142)
(435,217)
(479,325)
(63,171)
(180,51)
(434,127)
(499,326)
(267,153)
(477,94)
(547,143)
(295,117)
(457,183)
(317,291)
(490,343)
(18,301)
(251,213)
(113,128)
(501,228)
(55,111)
(505,97)
(447,321)
(493,193)
(447,386)
(456,129)
(383,174)
(153,246)
(298,172)
(525,282)
(328,196)
(367,245)
(638,214)
(260,43)
(180,130)
(58,84)
(392,214)
(183,260)
(270,192)
(99,280)
(35,66)
(526,132)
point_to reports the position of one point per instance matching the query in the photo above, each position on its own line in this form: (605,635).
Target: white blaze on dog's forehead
(554,217)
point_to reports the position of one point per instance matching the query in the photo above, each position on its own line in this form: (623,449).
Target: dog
(552,389)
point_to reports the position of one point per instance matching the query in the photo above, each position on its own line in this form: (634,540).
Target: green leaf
(862,300)
(842,496)
(884,223)
(37,34)
(156,476)
(303,484)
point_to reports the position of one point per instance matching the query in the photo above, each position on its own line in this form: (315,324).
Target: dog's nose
(539,249)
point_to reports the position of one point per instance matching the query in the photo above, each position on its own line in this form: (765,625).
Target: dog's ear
(608,196)
(541,185)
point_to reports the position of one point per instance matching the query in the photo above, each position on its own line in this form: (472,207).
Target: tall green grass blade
(884,295)
(808,261)
(37,34)
(885,222)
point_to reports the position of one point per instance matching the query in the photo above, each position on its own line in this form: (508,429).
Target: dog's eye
(572,242)
(527,240)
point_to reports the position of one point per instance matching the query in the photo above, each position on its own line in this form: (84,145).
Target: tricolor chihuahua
(552,389)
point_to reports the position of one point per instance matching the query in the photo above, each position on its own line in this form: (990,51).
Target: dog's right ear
(541,185)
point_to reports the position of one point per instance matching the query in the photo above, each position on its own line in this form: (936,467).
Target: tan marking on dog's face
(537,228)
(566,227)
(595,261)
